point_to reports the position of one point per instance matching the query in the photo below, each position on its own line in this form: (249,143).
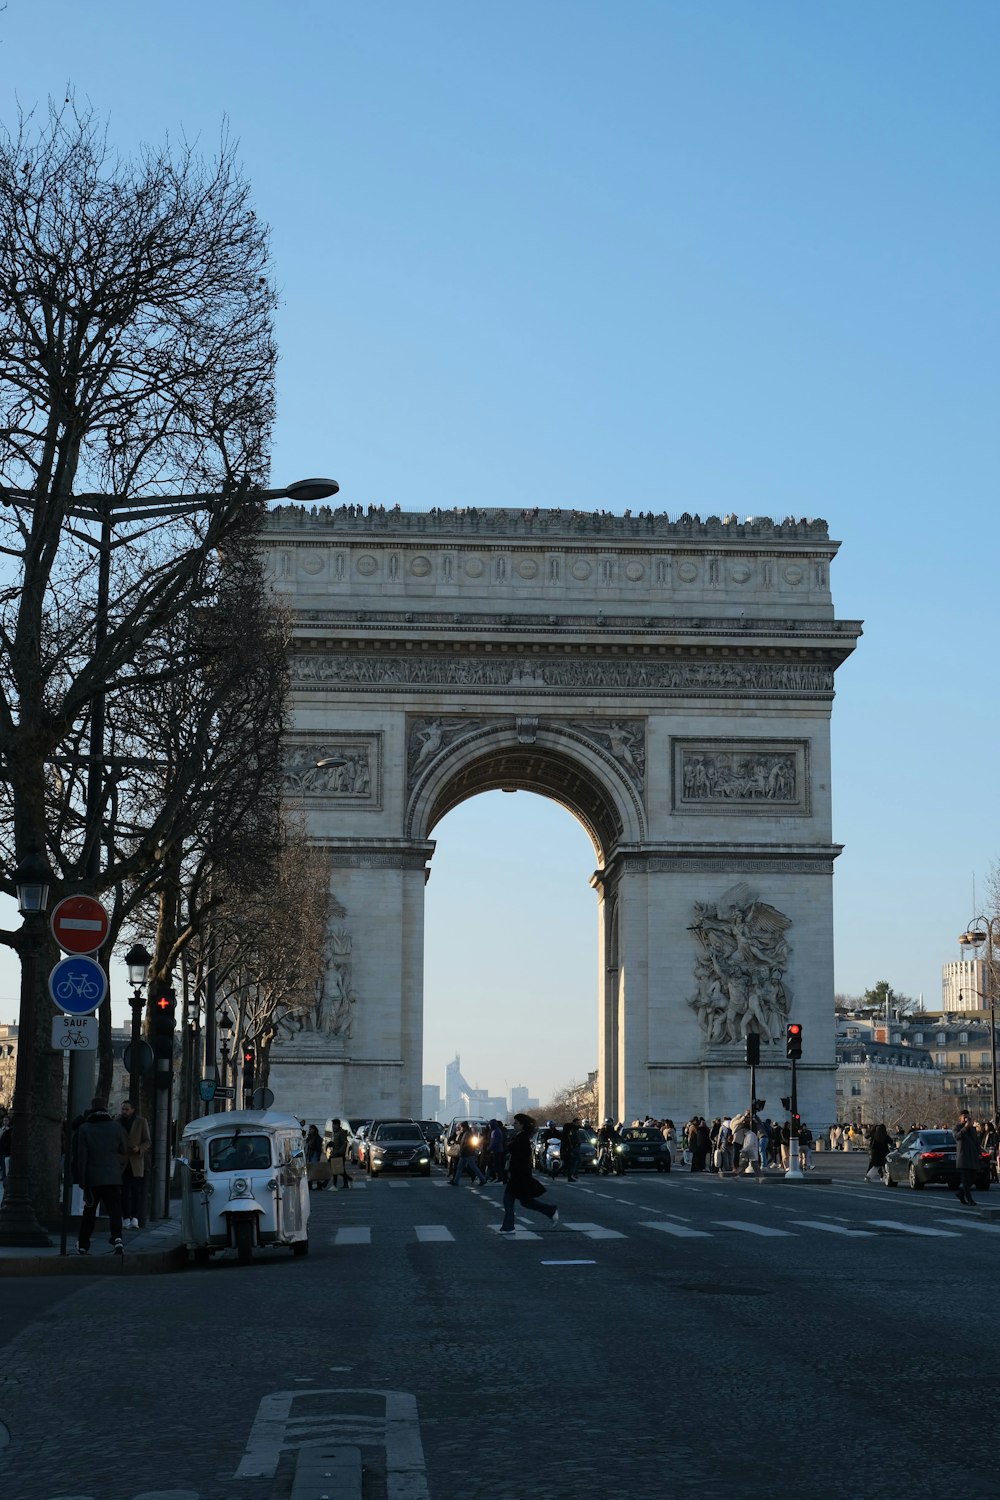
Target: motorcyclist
(608,1141)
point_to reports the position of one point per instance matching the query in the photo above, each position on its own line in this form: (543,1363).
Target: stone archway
(669,683)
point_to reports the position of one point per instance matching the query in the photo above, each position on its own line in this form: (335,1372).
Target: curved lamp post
(19,1224)
(979,931)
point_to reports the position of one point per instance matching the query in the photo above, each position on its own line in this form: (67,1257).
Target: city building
(963,986)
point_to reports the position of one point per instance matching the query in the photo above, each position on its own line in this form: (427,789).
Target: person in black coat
(101,1154)
(520,1186)
(878,1148)
(968,1157)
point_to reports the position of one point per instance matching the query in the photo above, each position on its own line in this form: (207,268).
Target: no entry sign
(79,924)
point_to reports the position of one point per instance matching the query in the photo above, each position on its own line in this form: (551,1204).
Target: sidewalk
(158,1247)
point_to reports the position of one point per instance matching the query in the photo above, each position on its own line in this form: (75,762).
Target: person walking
(134,1176)
(101,1153)
(465,1161)
(878,1150)
(968,1157)
(520,1185)
(314,1155)
(494,1152)
(336,1153)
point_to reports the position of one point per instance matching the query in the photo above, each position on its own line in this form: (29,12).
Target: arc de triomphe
(669,682)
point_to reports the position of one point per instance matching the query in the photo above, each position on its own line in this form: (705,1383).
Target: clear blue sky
(701,256)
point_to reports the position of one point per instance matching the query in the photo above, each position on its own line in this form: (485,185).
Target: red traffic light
(794,1030)
(793,1039)
(163,1003)
(248,1054)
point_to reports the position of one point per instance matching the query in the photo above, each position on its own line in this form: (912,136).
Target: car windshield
(397,1133)
(234,1153)
(640,1135)
(937,1138)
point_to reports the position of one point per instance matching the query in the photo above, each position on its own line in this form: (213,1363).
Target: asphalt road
(674,1336)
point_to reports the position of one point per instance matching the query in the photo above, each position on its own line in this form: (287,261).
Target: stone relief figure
(351,776)
(335,1006)
(333,1013)
(740,971)
(623,739)
(428,737)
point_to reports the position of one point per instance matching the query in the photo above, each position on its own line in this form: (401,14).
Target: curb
(134,1263)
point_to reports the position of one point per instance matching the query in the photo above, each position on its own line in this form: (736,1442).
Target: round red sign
(79,924)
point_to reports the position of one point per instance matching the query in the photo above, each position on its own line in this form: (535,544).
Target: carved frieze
(732,676)
(337,768)
(753,775)
(740,969)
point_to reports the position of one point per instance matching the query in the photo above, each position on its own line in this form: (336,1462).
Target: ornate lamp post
(19,1224)
(137,961)
(979,931)
(225,1026)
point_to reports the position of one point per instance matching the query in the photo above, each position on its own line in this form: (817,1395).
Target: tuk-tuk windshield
(235,1153)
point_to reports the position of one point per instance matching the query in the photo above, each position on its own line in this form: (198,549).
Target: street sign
(74,1033)
(78,985)
(261,1099)
(221,1093)
(144,1062)
(206,1089)
(79,924)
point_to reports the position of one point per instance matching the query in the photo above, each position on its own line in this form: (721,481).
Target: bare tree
(136,362)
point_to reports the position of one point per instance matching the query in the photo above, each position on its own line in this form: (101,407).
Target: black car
(645,1147)
(397,1146)
(432,1131)
(928,1156)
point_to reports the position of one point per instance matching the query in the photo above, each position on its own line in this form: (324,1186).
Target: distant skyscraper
(963,985)
(432,1101)
(521,1100)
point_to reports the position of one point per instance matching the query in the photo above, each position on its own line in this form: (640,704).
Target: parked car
(397,1146)
(644,1147)
(928,1156)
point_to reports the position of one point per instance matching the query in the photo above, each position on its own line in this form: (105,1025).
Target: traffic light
(248,1068)
(793,1039)
(162,1027)
(753,1049)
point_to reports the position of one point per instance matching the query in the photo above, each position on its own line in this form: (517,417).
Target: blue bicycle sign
(78,985)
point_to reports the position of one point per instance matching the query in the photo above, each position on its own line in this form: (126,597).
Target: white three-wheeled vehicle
(244,1183)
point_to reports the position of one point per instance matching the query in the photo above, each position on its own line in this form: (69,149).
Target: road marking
(679,1230)
(399,1184)
(360,1236)
(747,1228)
(569,1262)
(429,1232)
(974,1224)
(517,1233)
(333,1420)
(865,1234)
(944,1234)
(596,1232)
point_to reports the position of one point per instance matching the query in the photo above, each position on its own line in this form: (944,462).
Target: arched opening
(511,942)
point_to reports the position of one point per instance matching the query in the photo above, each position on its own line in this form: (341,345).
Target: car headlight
(425,1161)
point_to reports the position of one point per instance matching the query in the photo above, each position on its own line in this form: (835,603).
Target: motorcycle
(611,1159)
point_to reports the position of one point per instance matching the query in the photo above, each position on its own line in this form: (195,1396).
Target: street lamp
(225,1024)
(137,961)
(19,1224)
(979,931)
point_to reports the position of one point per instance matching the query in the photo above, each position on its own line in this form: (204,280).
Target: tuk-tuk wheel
(243,1234)
(300,1248)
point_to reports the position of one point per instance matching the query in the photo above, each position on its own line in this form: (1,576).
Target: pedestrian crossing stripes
(443,1234)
